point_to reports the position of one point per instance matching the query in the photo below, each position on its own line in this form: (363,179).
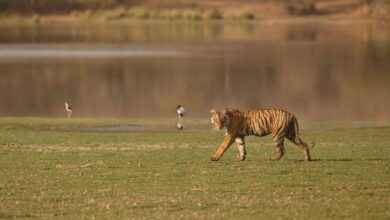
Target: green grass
(112,168)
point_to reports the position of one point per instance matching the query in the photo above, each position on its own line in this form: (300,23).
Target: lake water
(317,70)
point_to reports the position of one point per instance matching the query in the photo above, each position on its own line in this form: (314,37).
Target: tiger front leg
(224,146)
(240,141)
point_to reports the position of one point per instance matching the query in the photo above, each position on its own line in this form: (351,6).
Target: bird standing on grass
(180,112)
(68,108)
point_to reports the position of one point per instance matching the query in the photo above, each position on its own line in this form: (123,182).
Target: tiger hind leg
(293,136)
(279,149)
(301,144)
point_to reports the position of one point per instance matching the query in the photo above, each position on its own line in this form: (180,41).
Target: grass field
(144,169)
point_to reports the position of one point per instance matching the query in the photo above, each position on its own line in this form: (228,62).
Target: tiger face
(220,119)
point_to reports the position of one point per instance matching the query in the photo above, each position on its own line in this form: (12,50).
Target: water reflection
(318,71)
(33,53)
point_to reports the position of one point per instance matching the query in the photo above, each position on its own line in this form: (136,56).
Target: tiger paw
(214,159)
(275,158)
(308,159)
(241,158)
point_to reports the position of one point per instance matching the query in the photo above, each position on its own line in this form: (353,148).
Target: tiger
(280,123)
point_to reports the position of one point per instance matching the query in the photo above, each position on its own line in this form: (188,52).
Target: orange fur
(279,123)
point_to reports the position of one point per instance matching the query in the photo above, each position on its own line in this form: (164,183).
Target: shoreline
(193,11)
(55,19)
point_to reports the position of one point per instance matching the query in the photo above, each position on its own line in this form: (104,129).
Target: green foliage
(36,19)
(118,13)
(139,13)
(172,15)
(192,15)
(177,14)
(175,4)
(81,168)
(239,15)
(88,13)
(375,8)
(245,15)
(167,15)
(211,14)
(115,9)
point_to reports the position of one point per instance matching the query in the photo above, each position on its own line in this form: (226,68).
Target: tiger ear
(213,111)
(225,111)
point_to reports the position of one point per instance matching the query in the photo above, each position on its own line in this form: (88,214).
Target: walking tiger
(281,124)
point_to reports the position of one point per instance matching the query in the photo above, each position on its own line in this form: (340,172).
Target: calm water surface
(319,71)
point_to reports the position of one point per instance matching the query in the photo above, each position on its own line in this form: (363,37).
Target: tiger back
(260,122)
(281,124)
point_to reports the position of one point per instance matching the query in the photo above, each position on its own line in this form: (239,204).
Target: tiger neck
(234,119)
(227,123)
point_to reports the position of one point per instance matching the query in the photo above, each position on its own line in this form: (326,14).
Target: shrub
(242,15)
(245,15)
(374,8)
(139,13)
(173,15)
(212,14)
(115,14)
(36,19)
(192,15)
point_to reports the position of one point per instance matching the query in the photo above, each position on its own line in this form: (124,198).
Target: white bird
(180,111)
(69,109)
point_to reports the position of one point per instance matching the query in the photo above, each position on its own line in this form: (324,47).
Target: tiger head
(220,119)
